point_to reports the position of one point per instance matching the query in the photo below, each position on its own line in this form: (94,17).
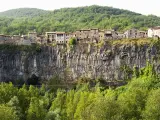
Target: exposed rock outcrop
(82,60)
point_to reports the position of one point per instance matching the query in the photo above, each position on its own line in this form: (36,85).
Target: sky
(140,6)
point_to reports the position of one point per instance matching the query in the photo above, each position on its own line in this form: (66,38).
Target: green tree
(36,110)
(132,103)
(14,104)
(58,104)
(24,95)
(70,105)
(152,107)
(7,91)
(7,113)
(82,104)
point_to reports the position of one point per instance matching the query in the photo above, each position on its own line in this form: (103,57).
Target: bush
(72,42)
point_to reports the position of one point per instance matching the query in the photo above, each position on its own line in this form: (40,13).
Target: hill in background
(69,19)
(23,12)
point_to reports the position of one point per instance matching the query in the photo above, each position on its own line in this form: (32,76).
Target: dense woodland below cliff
(139,99)
(21,21)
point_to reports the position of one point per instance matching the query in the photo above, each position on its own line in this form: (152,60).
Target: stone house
(25,40)
(141,34)
(16,39)
(94,35)
(121,36)
(58,37)
(41,39)
(68,36)
(50,37)
(6,39)
(2,39)
(101,34)
(61,37)
(89,35)
(134,33)
(32,35)
(154,32)
(82,34)
(108,35)
(114,34)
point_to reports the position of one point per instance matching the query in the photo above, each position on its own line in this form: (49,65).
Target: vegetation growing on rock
(72,42)
(26,48)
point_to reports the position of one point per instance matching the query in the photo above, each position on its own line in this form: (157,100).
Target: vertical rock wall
(83,60)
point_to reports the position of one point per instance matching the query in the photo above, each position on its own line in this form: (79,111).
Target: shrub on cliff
(72,42)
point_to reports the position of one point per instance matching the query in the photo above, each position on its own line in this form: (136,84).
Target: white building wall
(150,33)
(157,32)
(153,32)
(60,39)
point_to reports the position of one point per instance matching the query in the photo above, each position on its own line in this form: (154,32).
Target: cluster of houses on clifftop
(86,35)
(93,35)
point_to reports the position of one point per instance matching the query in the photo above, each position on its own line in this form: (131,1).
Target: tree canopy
(21,21)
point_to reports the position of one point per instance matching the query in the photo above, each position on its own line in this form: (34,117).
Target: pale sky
(141,6)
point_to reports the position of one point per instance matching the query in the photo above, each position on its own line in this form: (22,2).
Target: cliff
(111,62)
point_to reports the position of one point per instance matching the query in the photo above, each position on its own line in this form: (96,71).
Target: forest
(21,21)
(139,99)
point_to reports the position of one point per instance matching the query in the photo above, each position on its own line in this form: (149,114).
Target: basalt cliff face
(110,62)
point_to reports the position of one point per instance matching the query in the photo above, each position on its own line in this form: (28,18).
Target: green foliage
(14,104)
(152,107)
(36,110)
(100,44)
(21,21)
(15,48)
(51,116)
(132,103)
(72,42)
(58,105)
(54,83)
(7,91)
(23,12)
(7,113)
(127,71)
(135,41)
(24,95)
(102,109)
